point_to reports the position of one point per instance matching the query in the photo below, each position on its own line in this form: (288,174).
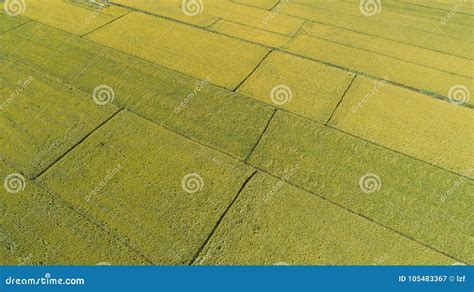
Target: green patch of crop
(274,223)
(37,229)
(41,119)
(195,108)
(160,192)
(424,202)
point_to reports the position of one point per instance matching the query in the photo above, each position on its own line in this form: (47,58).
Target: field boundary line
(340,100)
(343,68)
(261,102)
(261,136)
(105,24)
(91,220)
(15,27)
(222,217)
(118,110)
(252,71)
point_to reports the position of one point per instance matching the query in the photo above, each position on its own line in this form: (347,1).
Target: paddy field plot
(236,132)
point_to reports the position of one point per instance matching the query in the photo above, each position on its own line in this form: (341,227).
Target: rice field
(235,132)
